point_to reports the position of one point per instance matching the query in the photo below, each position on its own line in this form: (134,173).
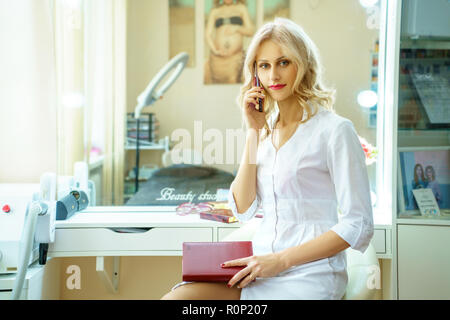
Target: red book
(202,260)
(221,215)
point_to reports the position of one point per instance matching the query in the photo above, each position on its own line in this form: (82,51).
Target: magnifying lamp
(151,95)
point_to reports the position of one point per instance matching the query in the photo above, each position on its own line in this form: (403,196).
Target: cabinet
(421,123)
(426,18)
(423,262)
(423,119)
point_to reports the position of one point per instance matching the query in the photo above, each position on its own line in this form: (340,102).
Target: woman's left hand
(265,266)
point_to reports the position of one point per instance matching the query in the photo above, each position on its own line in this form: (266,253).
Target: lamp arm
(149,96)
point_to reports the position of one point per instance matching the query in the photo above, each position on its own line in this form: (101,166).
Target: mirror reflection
(187,145)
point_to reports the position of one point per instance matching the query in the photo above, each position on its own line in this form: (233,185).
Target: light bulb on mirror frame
(368,3)
(367,99)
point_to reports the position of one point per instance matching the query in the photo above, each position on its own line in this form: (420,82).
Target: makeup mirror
(120,49)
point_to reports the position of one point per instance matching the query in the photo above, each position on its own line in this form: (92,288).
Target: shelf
(141,180)
(441,221)
(433,44)
(163,144)
(422,137)
(145,147)
(152,146)
(422,59)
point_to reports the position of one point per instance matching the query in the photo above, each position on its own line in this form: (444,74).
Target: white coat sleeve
(346,163)
(247,215)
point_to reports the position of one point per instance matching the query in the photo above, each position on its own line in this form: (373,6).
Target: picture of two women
(425,179)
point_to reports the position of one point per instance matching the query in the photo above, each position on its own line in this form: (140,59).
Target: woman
(419,178)
(419,182)
(433,184)
(308,160)
(229,22)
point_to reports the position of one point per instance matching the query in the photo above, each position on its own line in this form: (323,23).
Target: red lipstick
(277,86)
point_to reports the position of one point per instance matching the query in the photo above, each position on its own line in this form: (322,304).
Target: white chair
(361,268)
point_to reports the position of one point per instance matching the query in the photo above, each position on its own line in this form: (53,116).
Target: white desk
(94,232)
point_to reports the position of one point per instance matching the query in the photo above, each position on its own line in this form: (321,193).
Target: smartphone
(258,84)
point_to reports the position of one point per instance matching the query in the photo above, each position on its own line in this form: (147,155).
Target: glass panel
(204,119)
(423,110)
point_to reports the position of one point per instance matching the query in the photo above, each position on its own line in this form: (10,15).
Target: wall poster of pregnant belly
(229,26)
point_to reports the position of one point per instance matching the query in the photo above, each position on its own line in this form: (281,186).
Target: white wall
(27,87)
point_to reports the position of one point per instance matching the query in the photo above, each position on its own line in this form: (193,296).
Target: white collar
(275,114)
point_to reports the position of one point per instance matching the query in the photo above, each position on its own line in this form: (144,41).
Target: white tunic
(299,188)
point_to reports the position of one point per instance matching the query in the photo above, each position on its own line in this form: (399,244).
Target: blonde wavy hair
(301,50)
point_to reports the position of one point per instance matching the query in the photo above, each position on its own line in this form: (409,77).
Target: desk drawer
(223,232)
(104,239)
(6,295)
(379,241)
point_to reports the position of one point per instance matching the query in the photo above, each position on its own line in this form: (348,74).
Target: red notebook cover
(202,260)
(221,215)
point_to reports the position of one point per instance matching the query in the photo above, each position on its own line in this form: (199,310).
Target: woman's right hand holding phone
(254,118)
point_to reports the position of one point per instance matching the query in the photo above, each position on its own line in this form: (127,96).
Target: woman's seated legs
(203,291)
